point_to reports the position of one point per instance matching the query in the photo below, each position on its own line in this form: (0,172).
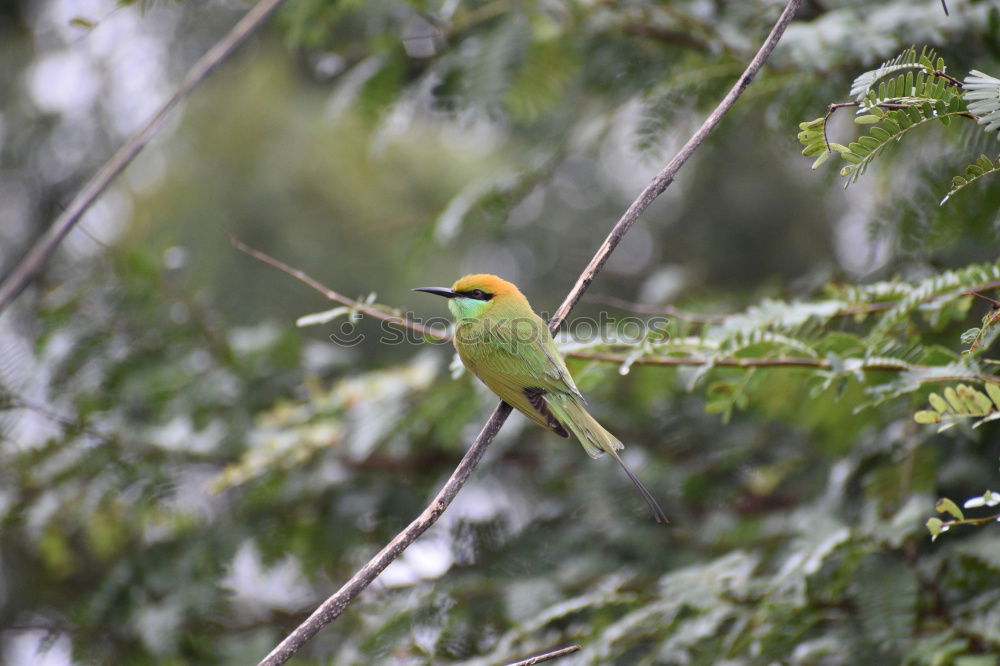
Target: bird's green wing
(521,350)
(519,361)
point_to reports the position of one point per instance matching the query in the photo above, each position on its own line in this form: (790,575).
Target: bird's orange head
(483,284)
(475,295)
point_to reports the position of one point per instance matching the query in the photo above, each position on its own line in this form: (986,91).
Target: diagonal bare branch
(334,296)
(548,656)
(32,262)
(330,609)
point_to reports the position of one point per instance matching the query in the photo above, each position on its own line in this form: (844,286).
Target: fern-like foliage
(983,95)
(903,93)
(984,166)
(961,403)
(859,334)
(937,527)
(907,61)
(812,135)
(934,297)
(892,125)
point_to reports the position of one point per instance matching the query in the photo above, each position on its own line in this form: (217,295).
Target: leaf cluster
(904,93)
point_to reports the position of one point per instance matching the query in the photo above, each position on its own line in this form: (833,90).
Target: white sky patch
(426,559)
(179,434)
(147,172)
(255,588)
(138,85)
(64,82)
(440,548)
(663,284)
(634,252)
(36,647)
(102,225)
(120,66)
(627,167)
(157,625)
(857,250)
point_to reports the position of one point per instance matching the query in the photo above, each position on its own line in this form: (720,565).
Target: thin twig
(843,105)
(948,524)
(780,362)
(334,296)
(32,262)
(889,106)
(548,656)
(950,79)
(330,609)
(974,291)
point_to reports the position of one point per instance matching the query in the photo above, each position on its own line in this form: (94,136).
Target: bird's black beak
(440,291)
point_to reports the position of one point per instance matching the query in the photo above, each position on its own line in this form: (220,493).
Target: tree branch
(32,262)
(334,296)
(779,362)
(548,656)
(330,609)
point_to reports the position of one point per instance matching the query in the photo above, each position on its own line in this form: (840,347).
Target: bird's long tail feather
(596,441)
(646,495)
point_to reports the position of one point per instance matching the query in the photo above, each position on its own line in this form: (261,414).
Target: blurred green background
(184,473)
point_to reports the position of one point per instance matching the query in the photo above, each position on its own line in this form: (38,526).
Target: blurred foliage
(184,474)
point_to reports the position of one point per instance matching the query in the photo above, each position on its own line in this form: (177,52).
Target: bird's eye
(477,294)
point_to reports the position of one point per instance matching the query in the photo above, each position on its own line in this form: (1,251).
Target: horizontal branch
(779,362)
(983,520)
(720,362)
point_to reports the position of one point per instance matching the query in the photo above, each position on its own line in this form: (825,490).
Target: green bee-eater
(504,343)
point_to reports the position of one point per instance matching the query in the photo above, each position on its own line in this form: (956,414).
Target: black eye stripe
(476,294)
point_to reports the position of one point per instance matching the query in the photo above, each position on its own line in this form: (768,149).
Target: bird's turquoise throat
(468,308)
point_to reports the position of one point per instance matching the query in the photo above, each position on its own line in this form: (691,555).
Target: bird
(501,340)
